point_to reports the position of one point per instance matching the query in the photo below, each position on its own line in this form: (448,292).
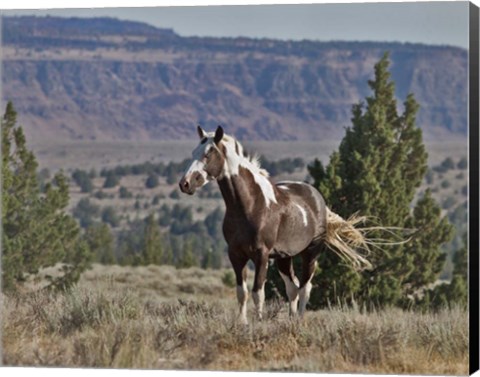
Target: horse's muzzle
(186,187)
(190,182)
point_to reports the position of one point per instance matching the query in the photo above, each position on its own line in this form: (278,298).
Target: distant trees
(101,243)
(124,193)
(111,180)
(110,216)
(187,258)
(446,165)
(83,179)
(462,164)
(36,230)
(380,164)
(172,170)
(85,212)
(173,237)
(285,165)
(152,243)
(152,181)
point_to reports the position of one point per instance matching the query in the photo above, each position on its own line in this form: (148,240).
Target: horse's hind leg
(309,263)
(285,267)
(239,264)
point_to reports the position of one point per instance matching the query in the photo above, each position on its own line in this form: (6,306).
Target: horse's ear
(218,135)
(201,133)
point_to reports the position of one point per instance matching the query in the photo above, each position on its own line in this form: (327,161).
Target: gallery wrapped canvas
(241,188)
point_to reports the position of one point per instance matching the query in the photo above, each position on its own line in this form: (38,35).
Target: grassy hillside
(162,318)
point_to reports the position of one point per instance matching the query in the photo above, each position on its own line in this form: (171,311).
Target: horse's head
(207,164)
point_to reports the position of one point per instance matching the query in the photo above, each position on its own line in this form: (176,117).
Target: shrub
(152,181)
(448,164)
(83,180)
(228,279)
(463,163)
(449,202)
(85,212)
(111,180)
(100,195)
(110,216)
(175,194)
(124,193)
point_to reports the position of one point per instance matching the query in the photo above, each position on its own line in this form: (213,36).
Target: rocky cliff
(107,79)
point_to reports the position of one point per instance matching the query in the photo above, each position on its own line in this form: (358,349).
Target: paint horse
(265,220)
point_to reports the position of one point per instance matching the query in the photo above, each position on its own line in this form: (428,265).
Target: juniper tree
(188,258)
(152,242)
(101,243)
(379,166)
(455,292)
(36,230)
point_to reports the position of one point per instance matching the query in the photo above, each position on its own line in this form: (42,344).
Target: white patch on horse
(304,214)
(292,182)
(232,166)
(304,294)
(283,187)
(259,299)
(242,296)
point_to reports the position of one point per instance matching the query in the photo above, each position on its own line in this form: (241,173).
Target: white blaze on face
(304,214)
(198,165)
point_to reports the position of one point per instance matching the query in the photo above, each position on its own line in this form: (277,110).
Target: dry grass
(129,318)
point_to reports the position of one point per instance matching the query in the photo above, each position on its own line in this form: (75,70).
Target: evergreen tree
(85,212)
(124,193)
(152,181)
(379,166)
(167,255)
(101,243)
(152,243)
(454,293)
(459,284)
(463,163)
(36,231)
(83,180)
(188,258)
(218,256)
(110,216)
(111,180)
(207,259)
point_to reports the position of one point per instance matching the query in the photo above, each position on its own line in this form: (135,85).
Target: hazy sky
(424,22)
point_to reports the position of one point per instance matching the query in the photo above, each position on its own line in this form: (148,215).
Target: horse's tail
(345,239)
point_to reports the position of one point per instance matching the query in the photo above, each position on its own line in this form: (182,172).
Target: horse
(265,220)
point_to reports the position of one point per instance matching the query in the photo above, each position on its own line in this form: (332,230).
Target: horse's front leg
(258,291)
(239,264)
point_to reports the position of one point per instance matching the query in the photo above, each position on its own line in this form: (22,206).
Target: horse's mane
(251,161)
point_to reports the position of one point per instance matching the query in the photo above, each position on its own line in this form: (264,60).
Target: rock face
(107,79)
